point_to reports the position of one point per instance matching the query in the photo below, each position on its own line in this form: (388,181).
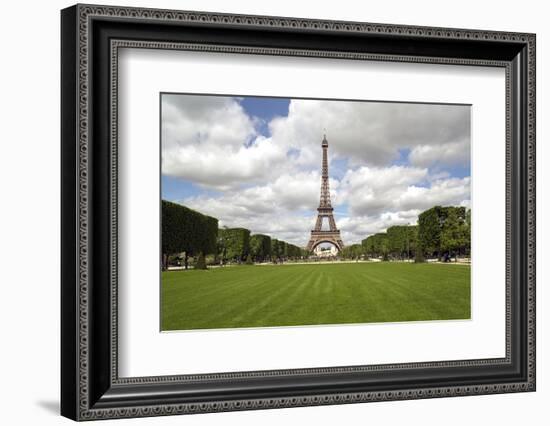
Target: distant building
(325,251)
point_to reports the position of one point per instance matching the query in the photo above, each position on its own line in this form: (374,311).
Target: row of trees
(354,251)
(397,242)
(189,232)
(442,232)
(237,245)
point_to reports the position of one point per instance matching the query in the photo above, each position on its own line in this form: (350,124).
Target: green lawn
(282,295)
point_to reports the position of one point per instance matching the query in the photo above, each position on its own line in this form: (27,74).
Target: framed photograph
(263,212)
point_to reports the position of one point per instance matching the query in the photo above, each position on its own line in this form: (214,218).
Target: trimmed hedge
(260,247)
(234,243)
(186,230)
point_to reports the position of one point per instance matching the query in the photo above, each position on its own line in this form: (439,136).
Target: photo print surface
(296,212)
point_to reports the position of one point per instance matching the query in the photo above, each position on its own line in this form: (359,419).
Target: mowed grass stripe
(212,294)
(282,295)
(254,306)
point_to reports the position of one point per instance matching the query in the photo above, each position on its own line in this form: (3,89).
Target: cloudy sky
(256,162)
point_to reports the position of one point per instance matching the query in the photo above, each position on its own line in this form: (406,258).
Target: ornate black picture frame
(91,36)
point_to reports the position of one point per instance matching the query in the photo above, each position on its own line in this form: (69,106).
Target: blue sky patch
(266,109)
(176,189)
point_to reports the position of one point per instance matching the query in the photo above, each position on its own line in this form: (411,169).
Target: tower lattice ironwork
(325,210)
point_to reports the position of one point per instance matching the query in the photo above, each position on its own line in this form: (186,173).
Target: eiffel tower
(318,236)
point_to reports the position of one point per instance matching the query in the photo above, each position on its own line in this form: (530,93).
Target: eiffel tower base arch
(319,237)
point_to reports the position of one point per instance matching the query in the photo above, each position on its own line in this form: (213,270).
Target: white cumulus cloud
(394,161)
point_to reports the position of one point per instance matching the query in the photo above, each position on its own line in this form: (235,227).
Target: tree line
(238,245)
(189,232)
(442,232)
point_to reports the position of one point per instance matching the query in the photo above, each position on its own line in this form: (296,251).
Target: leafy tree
(454,232)
(443,229)
(384,247)
(396,240)
(412,241)
(293,251)
(429,229)
(354,251)
(234,243)
(399,240)
(275,254)
(368,246)
(281,249)
(376,245)
(468,231)
(381,245)
(260,247)
(419,255)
